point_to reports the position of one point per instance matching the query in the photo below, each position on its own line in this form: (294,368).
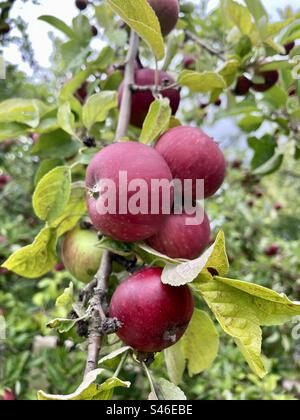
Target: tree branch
(193,37)
(98,305)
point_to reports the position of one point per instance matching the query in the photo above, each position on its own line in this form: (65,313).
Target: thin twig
(202,44)
(100,284)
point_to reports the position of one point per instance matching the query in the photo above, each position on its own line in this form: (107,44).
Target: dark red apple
(193,155)
(154,315)
(236,164)
(272,251)
(141,101)
(178,239)
(189,62)
(167,12)
(140,164)
(243,86)
(59,267)
(94,30)
(81,4)
(218,102)
(81,254)
(270,79)
(278,206)
(289,47)
(82,92)
(4,180)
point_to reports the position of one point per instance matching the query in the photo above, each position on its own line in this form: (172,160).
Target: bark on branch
(193,37)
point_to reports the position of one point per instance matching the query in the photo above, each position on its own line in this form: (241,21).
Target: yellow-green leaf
(37,259)
(201,82)
(73,211)
(67,297)
(24,111)
(169,392)
(140,16)
(66,118)
(157,120)
(240,16)
(200,343)
(52,194)
(175,362)
(215,258)
(89,390)
(97,107)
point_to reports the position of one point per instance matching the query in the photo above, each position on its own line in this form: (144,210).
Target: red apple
(8,395)
(243,86)
(82,92)
(154,315)
(272,251)
(270,79)
(141,101)
(178,239)
(278,206)
(59,267)
(4,180)
(81,4)
(189,62)
(167,12)
(191,154)
(139,163)
(236,164)
(94,30)
(289,47)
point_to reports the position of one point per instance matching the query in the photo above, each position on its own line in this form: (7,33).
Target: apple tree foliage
(235,40)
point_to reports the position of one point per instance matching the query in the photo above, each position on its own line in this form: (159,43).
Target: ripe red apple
(278,206)
(218,102)
(81,4)
(4,180)
(138,162)
(272,251)
(141,101)
(167,12)
(289,47)
(8,395)
(236,164)
(94,30)
(81,254)
(189,62)
(82,92)
(177,239)
(191,154)
(270,79)
(243,86)
(154,315)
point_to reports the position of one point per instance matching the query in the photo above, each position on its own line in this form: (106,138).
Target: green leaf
(37,259)
(200,343)
(257,10)
(140,16)
(276,97)
(264,149)
(169,392)
(45,167)
(215,258)
(73,211)
(154,255)
(97,107)
(251,123)
(271,166)
(52,194)
(89,389)
(10,130)
(67,298)
(157,120)
(62,325)
(24,111)
(57,144)
(66,118)
(201,82)
(114,354)
(240,16)
(58,24)
(82,29)
(120,248)
(229,71)
(175,362)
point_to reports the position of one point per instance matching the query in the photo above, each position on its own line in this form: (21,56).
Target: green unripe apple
(81,253)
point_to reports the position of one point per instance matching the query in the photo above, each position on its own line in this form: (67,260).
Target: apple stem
(193,37)
(98,299)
